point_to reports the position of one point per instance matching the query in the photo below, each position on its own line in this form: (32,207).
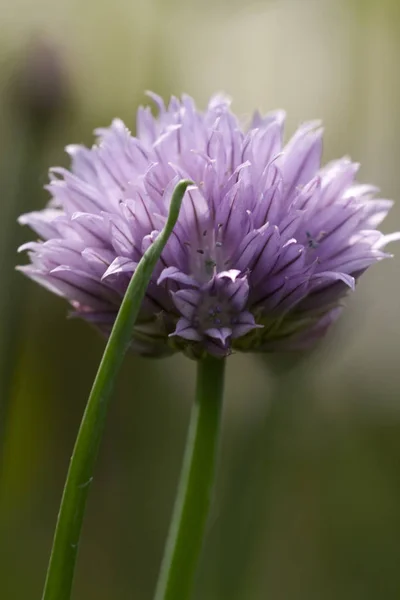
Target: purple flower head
(266,246)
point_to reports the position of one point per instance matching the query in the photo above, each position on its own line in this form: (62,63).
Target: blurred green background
(308,498)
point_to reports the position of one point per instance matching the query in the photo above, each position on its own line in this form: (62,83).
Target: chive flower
(267,245)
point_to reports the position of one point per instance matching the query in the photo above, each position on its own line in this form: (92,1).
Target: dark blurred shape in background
(37,100)
(40,88)
(308,495)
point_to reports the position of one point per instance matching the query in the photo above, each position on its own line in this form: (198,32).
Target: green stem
(80,474)
(193,499)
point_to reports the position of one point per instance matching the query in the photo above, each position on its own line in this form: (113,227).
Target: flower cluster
(266,246)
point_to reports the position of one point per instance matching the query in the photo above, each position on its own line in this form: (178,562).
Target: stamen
(210,264)
(312,243)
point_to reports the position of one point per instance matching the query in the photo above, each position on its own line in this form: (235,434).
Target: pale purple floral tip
(266,246)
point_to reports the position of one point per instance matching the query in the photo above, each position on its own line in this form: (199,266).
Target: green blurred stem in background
(80,474)
(192,504)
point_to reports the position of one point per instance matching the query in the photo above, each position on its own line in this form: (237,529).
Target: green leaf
(61,567)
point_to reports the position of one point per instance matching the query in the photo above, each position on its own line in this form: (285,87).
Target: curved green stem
(80,474)
(193,499)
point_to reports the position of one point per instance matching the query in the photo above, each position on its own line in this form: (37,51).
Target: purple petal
(302,157)
(175,274)
(185,330)
(221,335)
(186,302)
(232,274)
(243,324)
(330,277)
(42,222)
(121,264)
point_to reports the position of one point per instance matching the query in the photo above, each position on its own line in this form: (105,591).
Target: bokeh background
(307,505)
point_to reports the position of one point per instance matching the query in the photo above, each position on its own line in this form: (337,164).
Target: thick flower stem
(193,499)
